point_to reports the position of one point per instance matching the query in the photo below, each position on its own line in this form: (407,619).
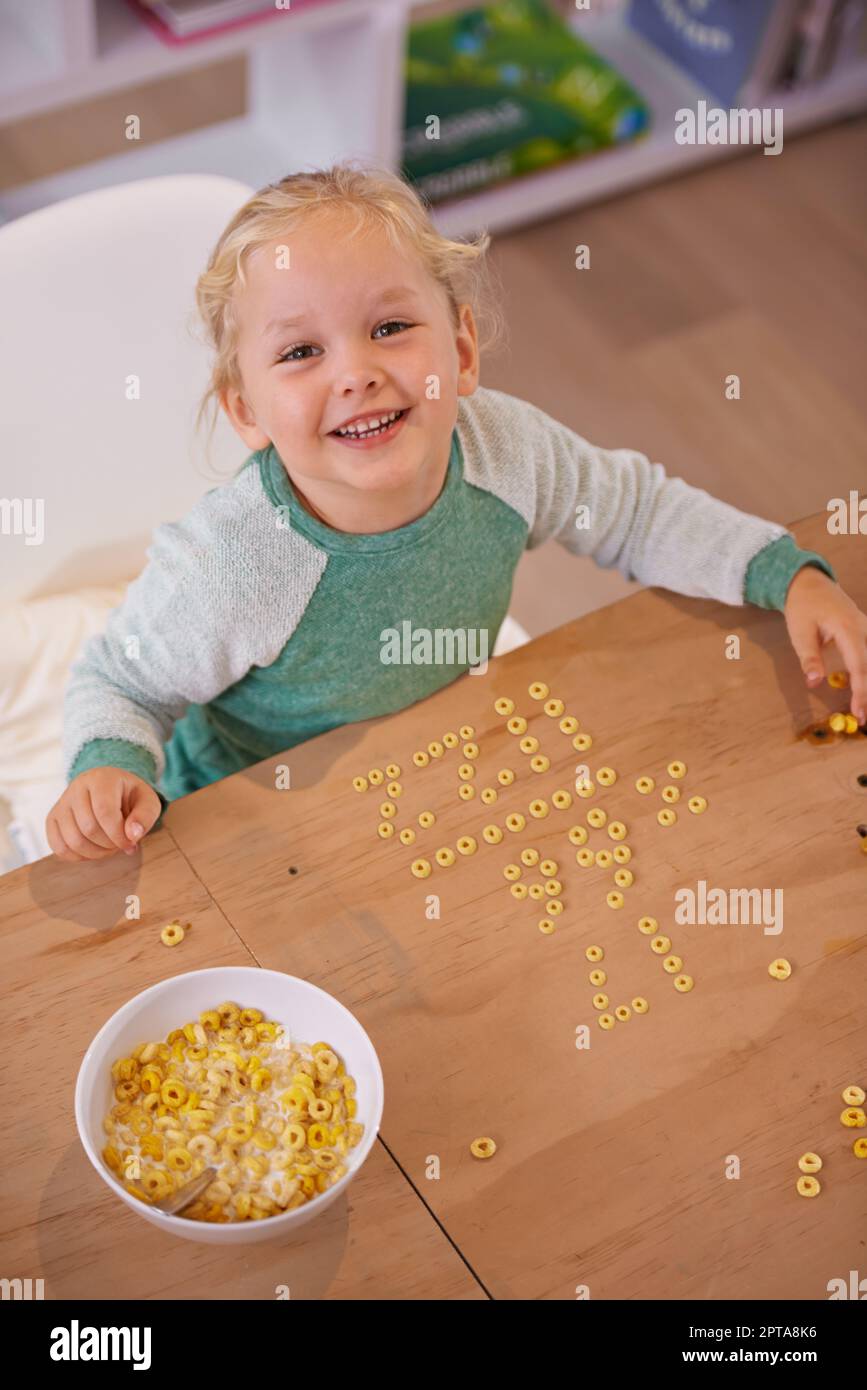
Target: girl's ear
(242,419)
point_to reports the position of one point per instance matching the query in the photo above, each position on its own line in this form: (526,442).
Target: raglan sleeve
(165,647)
(625,512)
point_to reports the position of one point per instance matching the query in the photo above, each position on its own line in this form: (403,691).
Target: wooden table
(611,1169)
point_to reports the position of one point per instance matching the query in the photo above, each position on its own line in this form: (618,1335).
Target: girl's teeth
(372,426)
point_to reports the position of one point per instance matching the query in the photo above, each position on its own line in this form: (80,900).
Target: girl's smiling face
(352,327)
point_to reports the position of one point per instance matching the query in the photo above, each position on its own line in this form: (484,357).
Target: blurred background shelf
(320,82)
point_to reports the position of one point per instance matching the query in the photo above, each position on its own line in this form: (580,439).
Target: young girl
(384,486)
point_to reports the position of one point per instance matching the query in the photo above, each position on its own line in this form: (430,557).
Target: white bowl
(306,1012)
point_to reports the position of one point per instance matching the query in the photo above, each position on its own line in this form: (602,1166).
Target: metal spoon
(178,1201)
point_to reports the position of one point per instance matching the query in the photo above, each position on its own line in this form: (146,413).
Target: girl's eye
(289,355)
(393,323)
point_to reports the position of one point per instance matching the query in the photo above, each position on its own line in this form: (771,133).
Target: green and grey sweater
(254,626)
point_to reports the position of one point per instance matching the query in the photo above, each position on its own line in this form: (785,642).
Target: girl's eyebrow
(390,296)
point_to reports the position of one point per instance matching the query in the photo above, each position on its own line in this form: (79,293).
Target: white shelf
(125,51)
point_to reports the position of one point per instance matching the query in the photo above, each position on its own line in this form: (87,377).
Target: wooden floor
(755,266)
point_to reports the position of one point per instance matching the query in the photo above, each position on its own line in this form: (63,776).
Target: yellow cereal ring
(172,935)
(853,1117)
(529,856)
(561,799)
(375,777)
(604,858)
(538,690)
(624,878)
(450,740)
(640,1004)
(483,1148)
(504,705)
(554,708)
(582,742)
(466,845)
(666,816)
(470,750)
(554,907)
(546,926)
(661,945)
(606,776)
(622,854)
(617,830)
(809,1187)
(622,1012)
(597,817)
(445,856)
(466,791)
(517,724)
(837,722)
(436,749)
(466,731)
(585,787)
(600,1001)
(505,777)
(407,835)
(393,770)
(780,969)
(387,810)
(529,744)
(606,1021)
(854,1095)
(683,983)
(538,809)
(672,965)
(809,1163)
(644,785)
(647,925)
(395,789)
(489,795)
(360,784)
(515,822)
(614,899)
(676,768)
(519,891)
(385,830)
(594,953)
(549,868)
(512,872)
(838,680)
(553,887)
(670,793)
(585,857)
(421,758)
(421,868)
(540,763)
(597,977)
(426,819)
(466,771)
(569,724)
(578,834)
(859,1148)
(697,804)
(492,834)
(537,891)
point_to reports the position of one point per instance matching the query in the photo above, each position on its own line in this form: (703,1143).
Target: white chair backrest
(95,291)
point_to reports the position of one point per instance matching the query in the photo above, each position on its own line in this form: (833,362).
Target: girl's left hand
(817,611)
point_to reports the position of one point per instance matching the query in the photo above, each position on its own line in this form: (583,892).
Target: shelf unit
(339,65)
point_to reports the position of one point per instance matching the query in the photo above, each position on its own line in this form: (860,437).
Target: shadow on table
(92,1247)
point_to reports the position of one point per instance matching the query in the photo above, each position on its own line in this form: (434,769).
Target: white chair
(98,301)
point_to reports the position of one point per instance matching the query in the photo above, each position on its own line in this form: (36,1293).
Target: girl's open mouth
(368,439)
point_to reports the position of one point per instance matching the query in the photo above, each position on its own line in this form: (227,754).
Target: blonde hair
(378,198)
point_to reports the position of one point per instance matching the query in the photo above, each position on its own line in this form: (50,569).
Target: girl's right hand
(101,811)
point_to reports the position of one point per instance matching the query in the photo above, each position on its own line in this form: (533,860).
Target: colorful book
(720,43)
(503,90)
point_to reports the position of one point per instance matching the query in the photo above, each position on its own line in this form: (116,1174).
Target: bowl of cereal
(260,1075)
